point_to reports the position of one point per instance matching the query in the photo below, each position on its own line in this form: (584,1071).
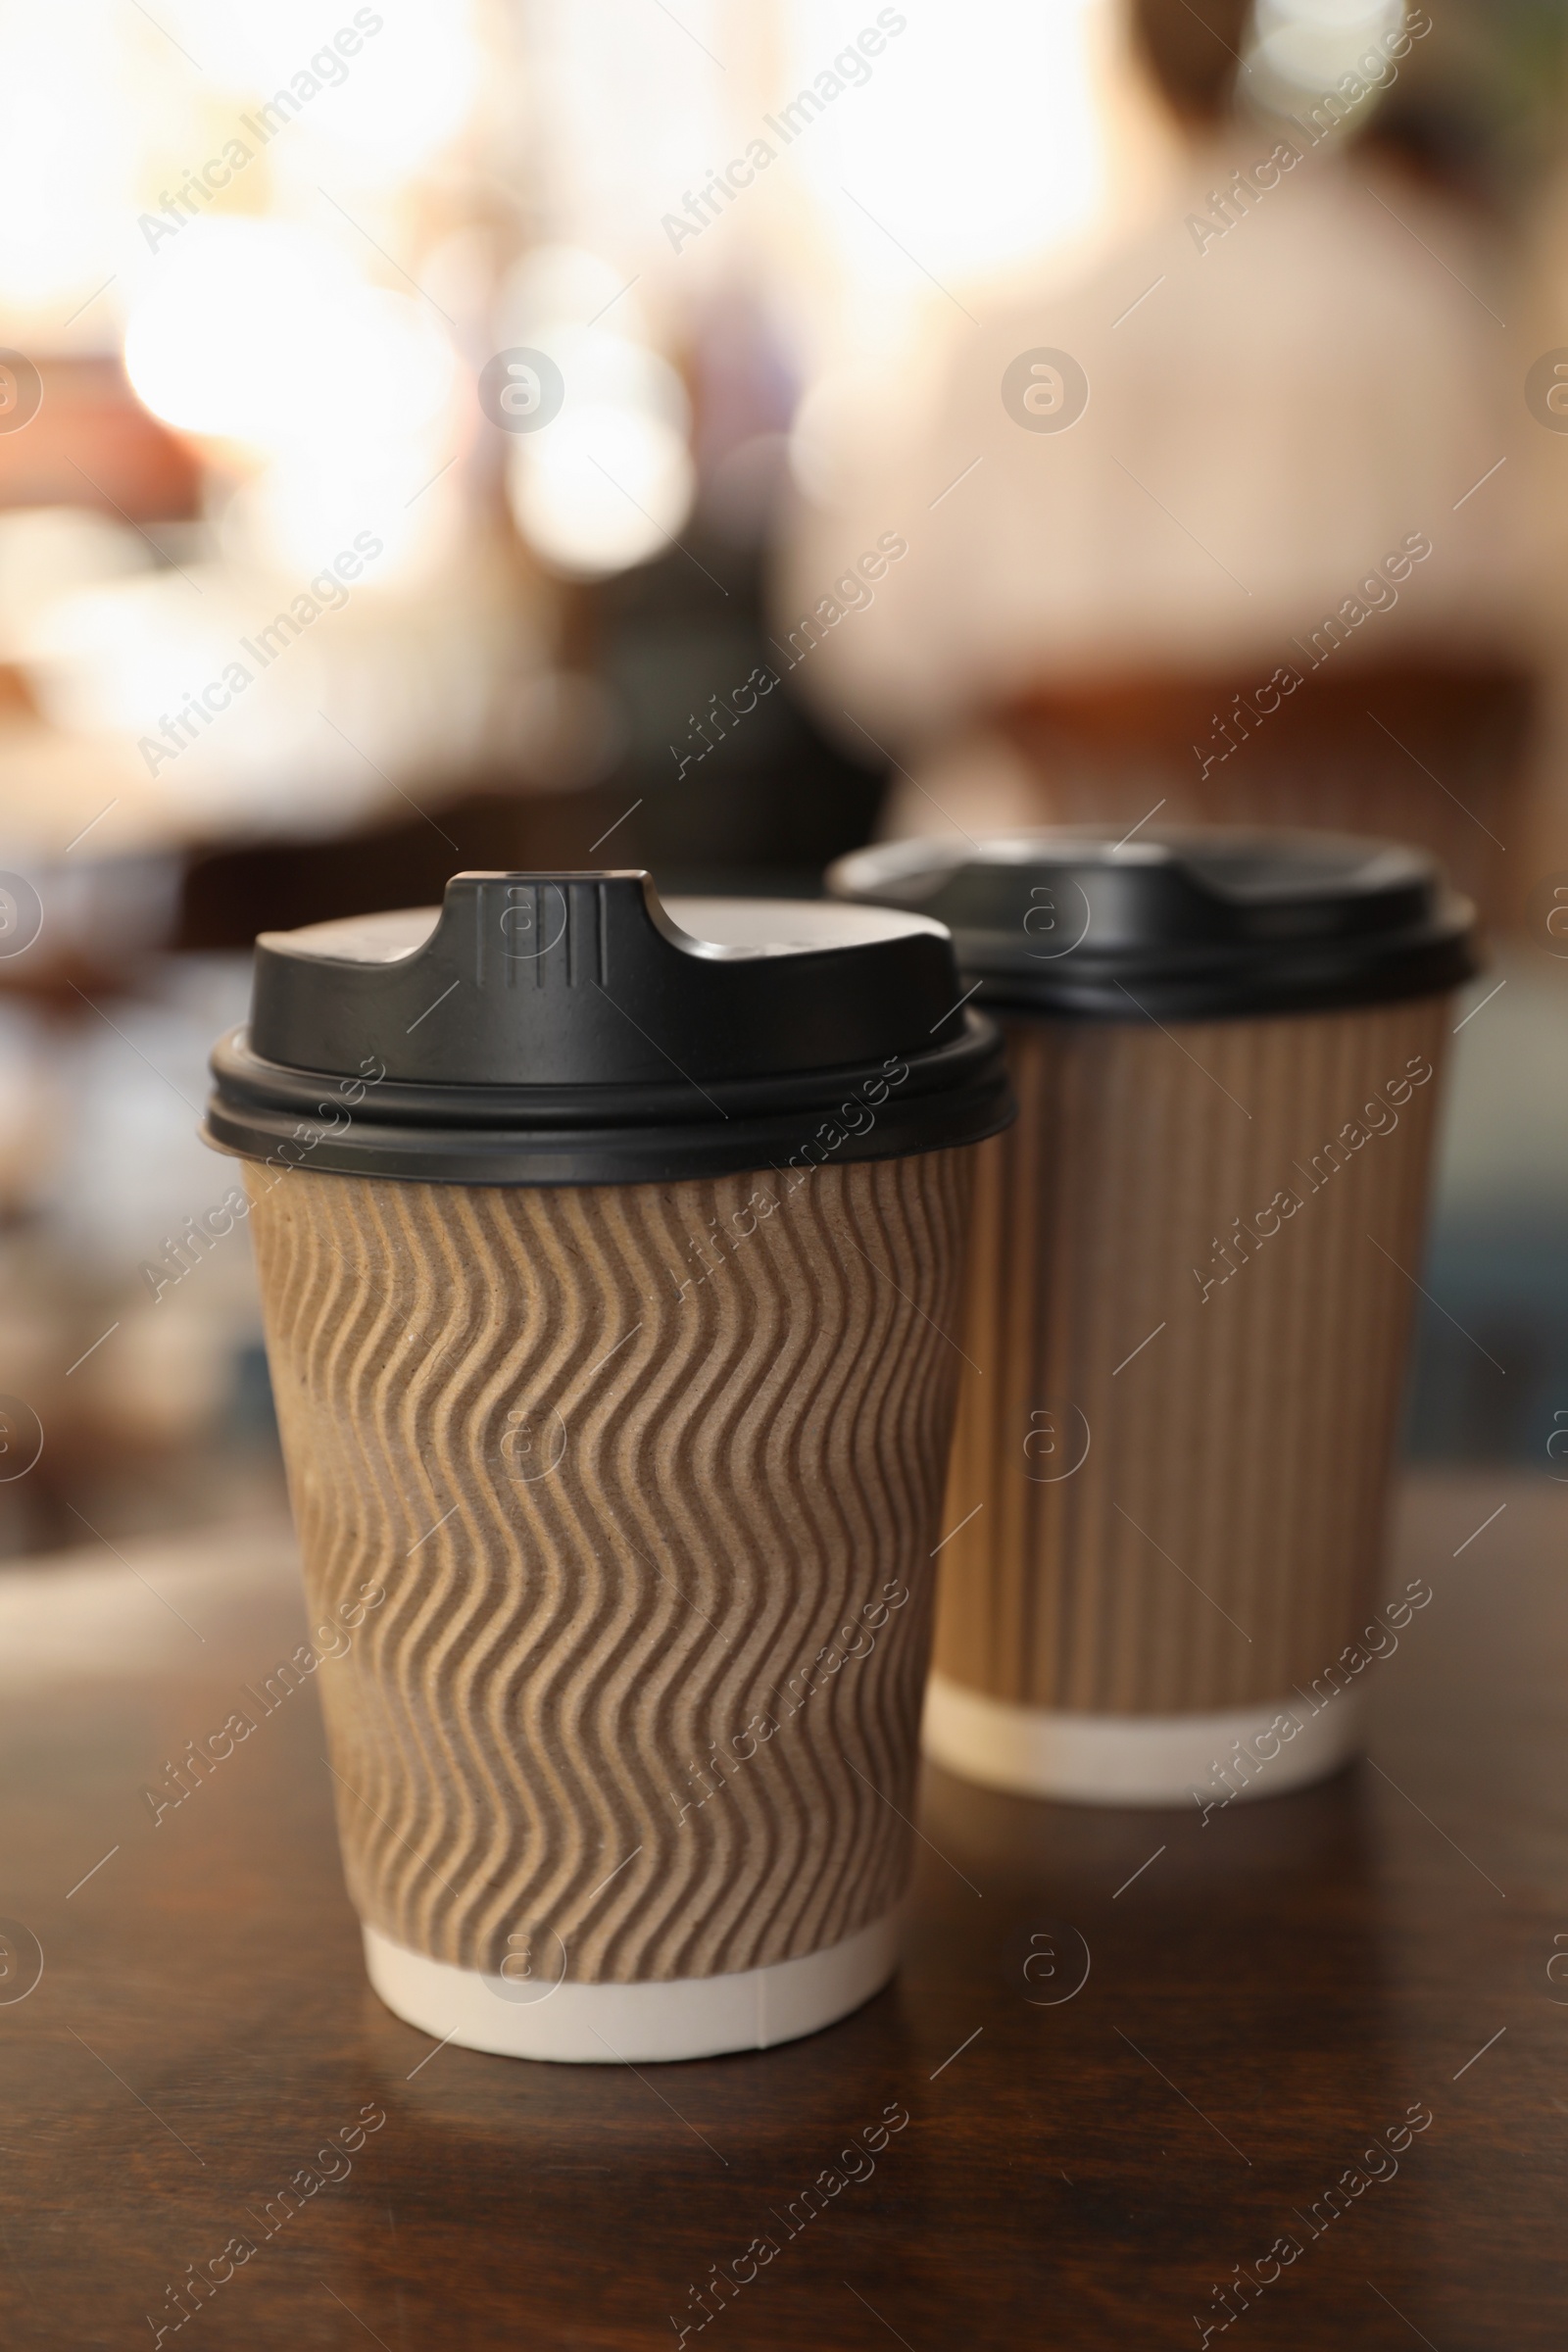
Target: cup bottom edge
(1093,1759)
(646,2022)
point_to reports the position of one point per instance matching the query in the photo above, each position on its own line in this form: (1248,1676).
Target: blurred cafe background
(707,436)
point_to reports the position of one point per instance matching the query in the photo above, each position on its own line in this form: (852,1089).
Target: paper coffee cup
(609,1257)
(1191,1278)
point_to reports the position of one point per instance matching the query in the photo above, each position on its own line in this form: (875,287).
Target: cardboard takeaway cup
(1191,1284)
(607,1252)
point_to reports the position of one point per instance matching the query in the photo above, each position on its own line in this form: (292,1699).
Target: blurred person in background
(1211,519)
(1541,357)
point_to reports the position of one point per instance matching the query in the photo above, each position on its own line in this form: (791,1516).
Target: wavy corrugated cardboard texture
(621,1507)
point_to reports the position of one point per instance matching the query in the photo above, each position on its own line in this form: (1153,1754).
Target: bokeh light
(1305,48)
(264,333)
(609,481)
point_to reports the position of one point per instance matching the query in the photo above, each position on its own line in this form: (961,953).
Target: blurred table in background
(1085,2159)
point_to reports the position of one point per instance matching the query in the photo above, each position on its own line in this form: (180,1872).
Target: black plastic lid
(1181,924)
(568,1028)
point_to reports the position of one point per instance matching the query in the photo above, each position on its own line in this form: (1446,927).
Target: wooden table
(1084,2162)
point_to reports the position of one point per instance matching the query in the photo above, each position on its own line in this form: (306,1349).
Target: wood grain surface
(1268,1999)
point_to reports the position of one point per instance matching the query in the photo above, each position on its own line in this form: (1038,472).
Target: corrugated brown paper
(625,1484)
(1219,1540)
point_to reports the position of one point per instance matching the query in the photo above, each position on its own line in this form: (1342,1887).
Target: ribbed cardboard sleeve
(630,1494)
(1192,1277)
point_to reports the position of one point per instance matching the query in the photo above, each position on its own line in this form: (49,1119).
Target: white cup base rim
(1089,1759)
(602,2024)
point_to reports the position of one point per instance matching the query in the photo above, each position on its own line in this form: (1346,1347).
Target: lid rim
(628,1155)
(252,1079)
(1228,993)
(954,1096)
